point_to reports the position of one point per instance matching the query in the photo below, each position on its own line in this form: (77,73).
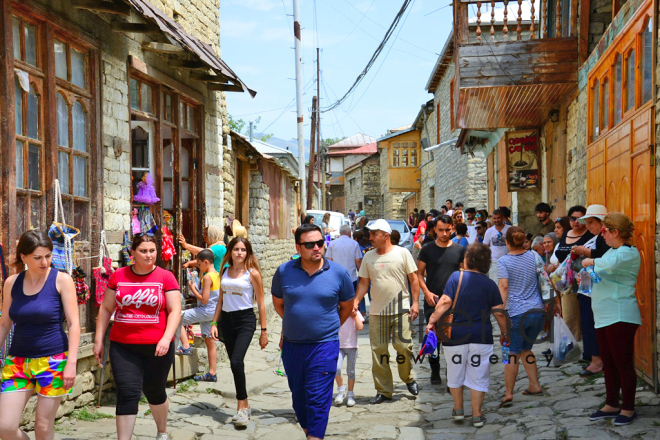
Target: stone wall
(371,172)
(576,150)
(460,177)
(600,16)
(427,179)
(353,189)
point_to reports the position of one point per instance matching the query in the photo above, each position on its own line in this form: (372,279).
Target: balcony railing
(514,20)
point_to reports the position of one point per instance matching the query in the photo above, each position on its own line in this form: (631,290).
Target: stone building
(96,94)
(576,117)
(362,185)
(426,123)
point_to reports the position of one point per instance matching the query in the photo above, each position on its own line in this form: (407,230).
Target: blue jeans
(524,332)
(310,370)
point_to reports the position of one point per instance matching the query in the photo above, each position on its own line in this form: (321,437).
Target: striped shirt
(520,270)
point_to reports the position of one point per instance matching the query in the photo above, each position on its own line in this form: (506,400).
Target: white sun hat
(594,211)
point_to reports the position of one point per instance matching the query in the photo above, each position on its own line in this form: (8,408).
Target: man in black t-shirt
(438,260)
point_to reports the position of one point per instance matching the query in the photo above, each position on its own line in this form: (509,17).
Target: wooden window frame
(595,83)
(630,38)
(602,109)
(639,83)
(409,150)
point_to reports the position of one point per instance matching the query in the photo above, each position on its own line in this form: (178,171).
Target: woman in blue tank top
(41,358)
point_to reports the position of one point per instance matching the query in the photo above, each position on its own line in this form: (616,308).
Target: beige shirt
(389,277)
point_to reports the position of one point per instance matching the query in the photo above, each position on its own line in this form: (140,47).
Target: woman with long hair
(214,238)
(41,357)
(325,224)
(241,286)
(146,303)
(518,284)
(617,317)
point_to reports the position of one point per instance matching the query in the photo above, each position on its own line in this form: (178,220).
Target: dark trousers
(310,370)
(238,329)
(362,307)
(434,359)
(589,338)
(136,369)
(616,343)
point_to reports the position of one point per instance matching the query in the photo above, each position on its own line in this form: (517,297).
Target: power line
(379,49)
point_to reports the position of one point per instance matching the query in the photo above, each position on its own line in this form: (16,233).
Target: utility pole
(310,180)
(299,100)
(321,162)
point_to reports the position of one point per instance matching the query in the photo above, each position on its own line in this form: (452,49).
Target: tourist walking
(311,289)
(241,286)
(41,358)
(617,317)
(146,303)
(348,349)
(594,248)
(495,238)
(389,269)
(214,237)
(470,347)
(347,253)
(518,284)
(543,213)
(435,264)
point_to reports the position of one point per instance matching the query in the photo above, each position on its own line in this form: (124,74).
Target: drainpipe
(251,128)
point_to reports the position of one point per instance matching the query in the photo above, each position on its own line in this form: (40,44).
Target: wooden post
(545,18)
(312,140)
(531,26)
(558,21)
(505,28)
(519,29)
(479,22)
(492,21)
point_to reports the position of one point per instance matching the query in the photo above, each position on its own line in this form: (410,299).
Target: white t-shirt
(472,234)
(497,242)
(237,293)
(348,332)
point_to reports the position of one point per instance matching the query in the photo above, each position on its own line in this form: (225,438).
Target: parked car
(336,220)
(406,234)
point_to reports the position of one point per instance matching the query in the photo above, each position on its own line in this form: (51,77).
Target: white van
(336,220)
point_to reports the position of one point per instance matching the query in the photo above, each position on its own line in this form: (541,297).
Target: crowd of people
(467,265)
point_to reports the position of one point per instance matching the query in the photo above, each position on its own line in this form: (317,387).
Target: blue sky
(257,42)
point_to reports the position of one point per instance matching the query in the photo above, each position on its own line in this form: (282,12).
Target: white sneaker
(351,400)
(249,413)
(339,399)
(242,418)
(162,436)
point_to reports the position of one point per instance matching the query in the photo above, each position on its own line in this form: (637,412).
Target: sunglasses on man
(312,244)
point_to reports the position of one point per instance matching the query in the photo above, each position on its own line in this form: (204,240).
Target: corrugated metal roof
(284,158)
(176,34)
(396,133)
(357,140)
(367,149)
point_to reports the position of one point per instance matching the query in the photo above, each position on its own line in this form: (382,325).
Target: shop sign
(523,160)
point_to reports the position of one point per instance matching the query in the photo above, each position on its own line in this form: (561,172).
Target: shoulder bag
(449,319)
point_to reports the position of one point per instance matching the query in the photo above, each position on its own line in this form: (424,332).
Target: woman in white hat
(594,248)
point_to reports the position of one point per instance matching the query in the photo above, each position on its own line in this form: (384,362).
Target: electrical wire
(371,62)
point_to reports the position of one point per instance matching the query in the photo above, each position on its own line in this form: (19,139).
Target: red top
(141,315)
(419,229)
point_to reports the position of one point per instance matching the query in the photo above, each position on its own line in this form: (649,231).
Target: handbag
(544,284)
(449,319)
(103,271)
(62,235)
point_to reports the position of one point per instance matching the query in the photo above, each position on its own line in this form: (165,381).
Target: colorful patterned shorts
(44,375)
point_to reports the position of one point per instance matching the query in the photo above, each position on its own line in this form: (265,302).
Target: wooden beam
(118,8)
(225,87)
(199,76)
(137,28)
(187,64)
(164,48)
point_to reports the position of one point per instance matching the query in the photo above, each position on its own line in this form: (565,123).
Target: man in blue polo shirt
(313,296)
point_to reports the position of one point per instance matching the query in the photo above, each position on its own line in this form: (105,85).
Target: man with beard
(543,212)
(437,260)
(313,296)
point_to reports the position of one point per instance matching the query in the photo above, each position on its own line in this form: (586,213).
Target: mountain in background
(291,145)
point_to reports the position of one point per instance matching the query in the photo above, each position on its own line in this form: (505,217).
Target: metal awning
(180,41)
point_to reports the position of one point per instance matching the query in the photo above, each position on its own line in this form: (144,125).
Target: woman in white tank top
(240,287)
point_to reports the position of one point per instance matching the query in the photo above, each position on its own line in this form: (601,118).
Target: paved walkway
(203,411)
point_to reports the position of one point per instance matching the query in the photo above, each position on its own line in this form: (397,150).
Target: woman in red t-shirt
(147,305)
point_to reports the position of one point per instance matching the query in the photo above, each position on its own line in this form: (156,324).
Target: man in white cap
(389,268)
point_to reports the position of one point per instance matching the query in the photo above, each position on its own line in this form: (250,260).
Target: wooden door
(555,143)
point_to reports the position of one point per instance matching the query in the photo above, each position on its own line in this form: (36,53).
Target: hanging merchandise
(137,228)
(126,251)
(168,251)
(168,220)
(103,271)
(62,235)
(147,221)
(82,289)
(146,190)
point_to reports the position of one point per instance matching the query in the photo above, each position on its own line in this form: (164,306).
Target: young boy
(348,346)
(203,313)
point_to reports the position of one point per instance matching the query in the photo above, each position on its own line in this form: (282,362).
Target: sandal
(457,414)
(529,393)
(206,377)
(184,351)
(478,421)
(505,403)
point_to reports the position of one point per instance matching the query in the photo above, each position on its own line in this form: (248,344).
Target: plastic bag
(544,284)
(560,278)
(565,348)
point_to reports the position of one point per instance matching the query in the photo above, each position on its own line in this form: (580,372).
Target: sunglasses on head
(607,229)
(311,244)
(140,234)
(558,220)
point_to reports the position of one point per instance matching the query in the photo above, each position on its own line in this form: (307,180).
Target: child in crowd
(348,347)
(203,313)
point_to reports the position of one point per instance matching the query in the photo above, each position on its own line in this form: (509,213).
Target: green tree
(242,127)
(331,141)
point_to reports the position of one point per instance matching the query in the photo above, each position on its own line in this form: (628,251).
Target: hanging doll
(103,271)
(137,228)
(146,190)
(82,289)
(168,250)
(147,221)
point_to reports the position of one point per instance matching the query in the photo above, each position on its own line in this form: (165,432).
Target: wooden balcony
(515,68)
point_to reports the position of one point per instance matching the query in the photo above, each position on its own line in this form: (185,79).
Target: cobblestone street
(203,411)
